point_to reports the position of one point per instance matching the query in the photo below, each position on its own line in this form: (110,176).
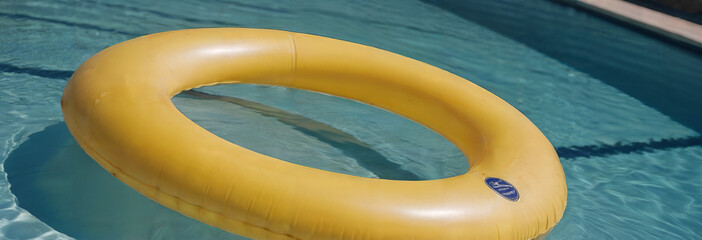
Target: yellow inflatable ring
(117,106)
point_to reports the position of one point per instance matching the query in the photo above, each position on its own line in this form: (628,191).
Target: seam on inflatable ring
(117,169)
(293,47)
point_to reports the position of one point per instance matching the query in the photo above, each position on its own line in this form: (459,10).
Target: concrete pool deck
(667,25)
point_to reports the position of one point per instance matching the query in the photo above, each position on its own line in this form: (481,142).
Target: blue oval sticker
(502,187)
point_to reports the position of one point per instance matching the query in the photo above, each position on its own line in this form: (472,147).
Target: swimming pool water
(622,185)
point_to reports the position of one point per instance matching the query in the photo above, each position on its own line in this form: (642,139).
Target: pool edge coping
(657,22)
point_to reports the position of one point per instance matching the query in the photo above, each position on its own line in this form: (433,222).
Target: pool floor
(632,160)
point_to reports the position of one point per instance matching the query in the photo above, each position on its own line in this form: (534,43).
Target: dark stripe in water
(362,152)
(358,150)
(57,74)
(371,21)
(67,23)
(366,156)
(260,7)
(168,15)
(348,144)
(603,150)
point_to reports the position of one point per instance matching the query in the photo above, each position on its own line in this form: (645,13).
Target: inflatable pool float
(117,106)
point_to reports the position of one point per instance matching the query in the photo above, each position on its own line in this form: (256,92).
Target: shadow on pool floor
(58,183)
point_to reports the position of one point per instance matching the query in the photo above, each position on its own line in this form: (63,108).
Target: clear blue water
(608,97)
